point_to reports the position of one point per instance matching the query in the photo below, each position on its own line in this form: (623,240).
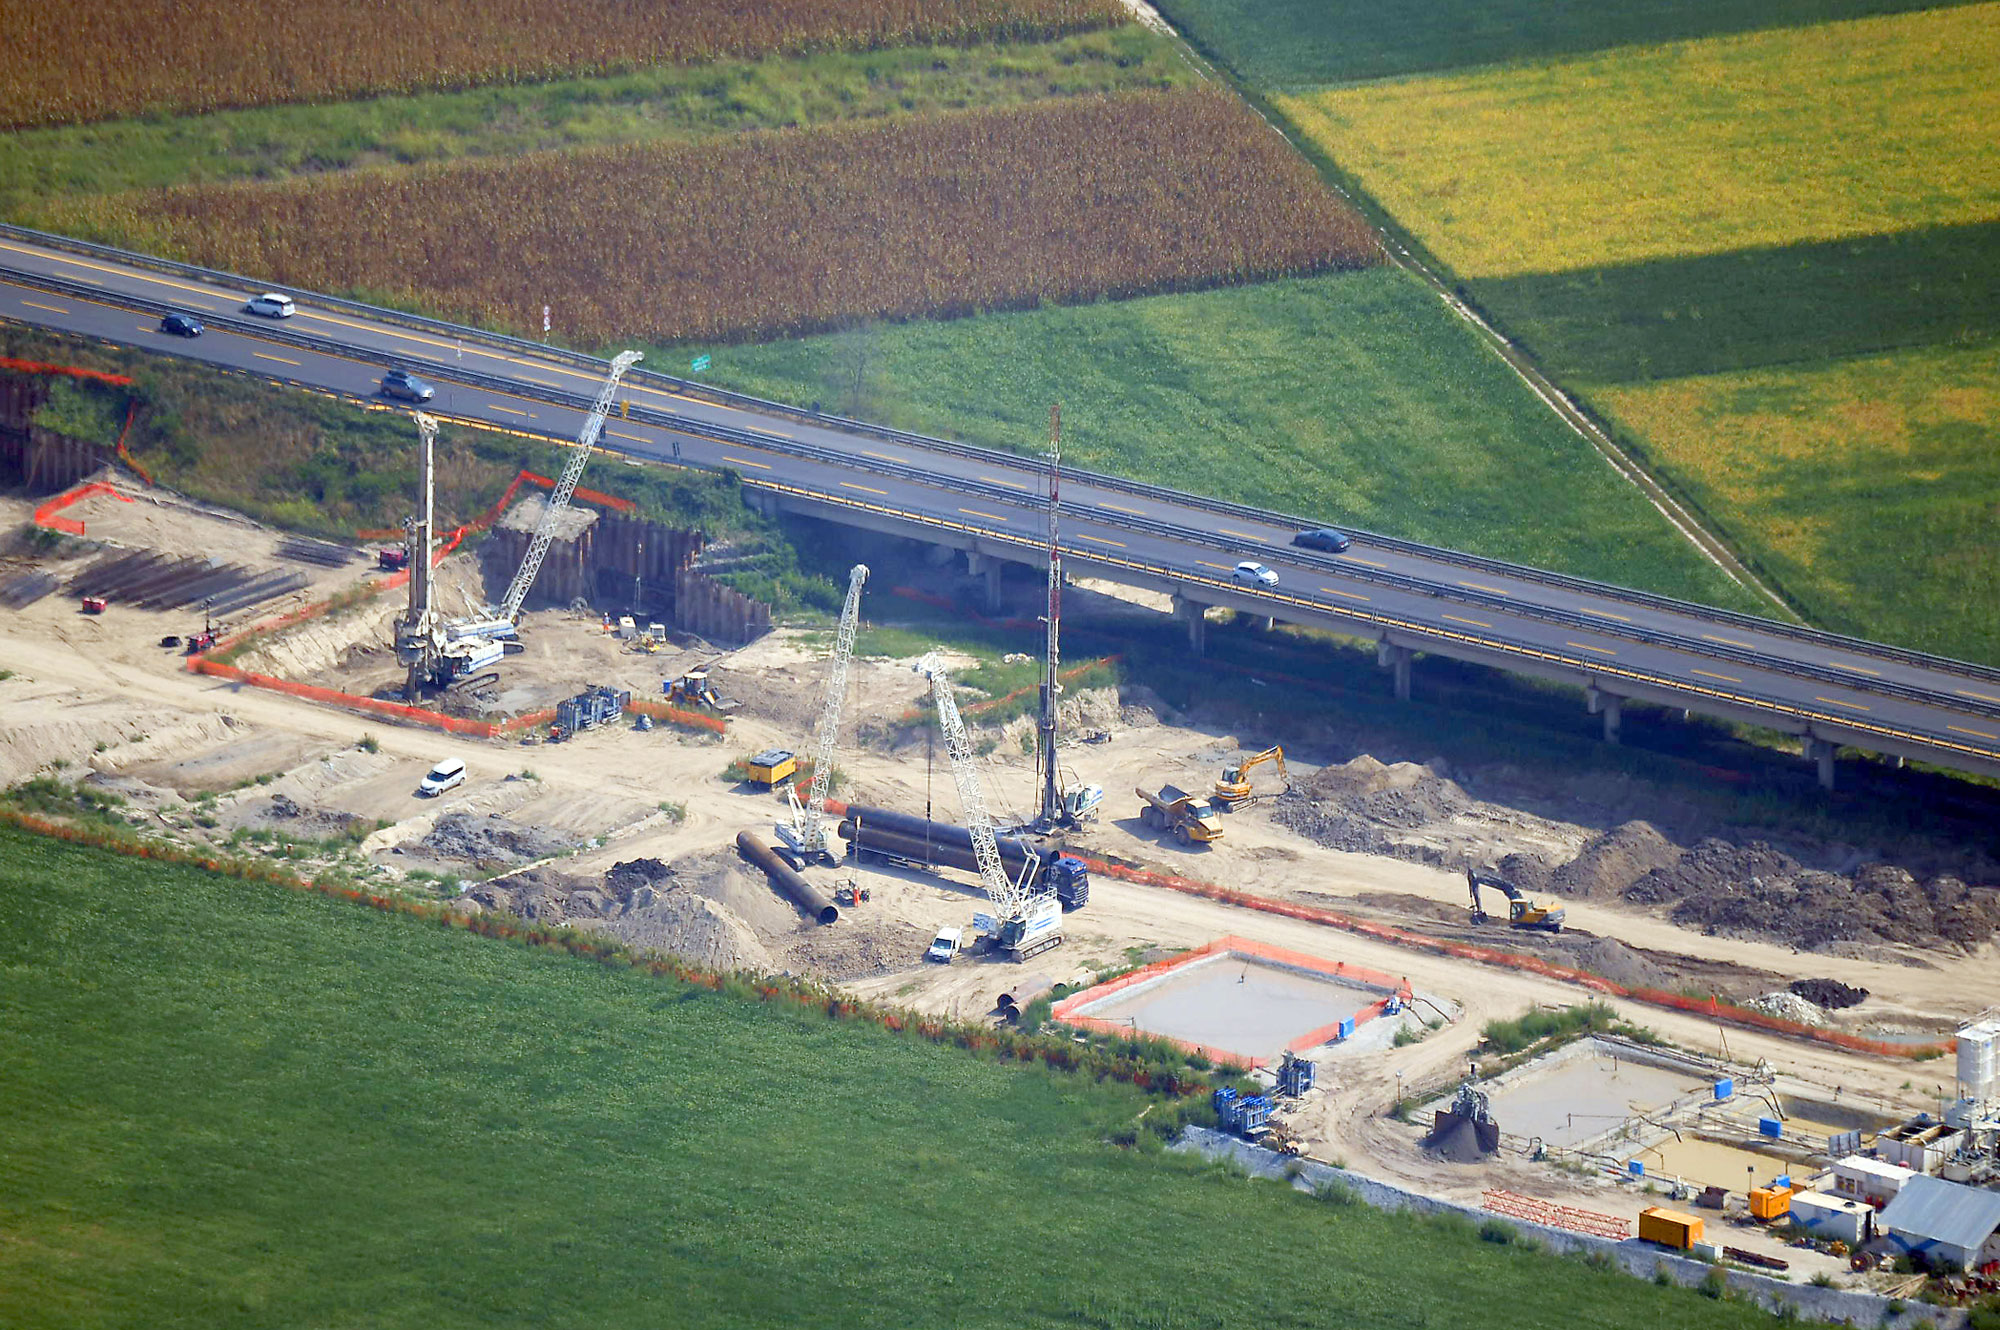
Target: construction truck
(1522,910)
(693,689)
(1234,787)
(1174,810)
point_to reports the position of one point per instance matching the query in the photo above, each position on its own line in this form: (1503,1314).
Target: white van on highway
(446,775)
(272,305)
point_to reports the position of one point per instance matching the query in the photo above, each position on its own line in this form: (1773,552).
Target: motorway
(1621,645)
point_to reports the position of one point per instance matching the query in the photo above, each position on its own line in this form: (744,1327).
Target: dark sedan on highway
(1326,538)
(181,325)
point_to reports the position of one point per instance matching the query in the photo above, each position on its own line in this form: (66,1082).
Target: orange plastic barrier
(1551,1215)
(1514,960)
(68,371)
(131,413)
(374,706)
(1073,672)
(492,514)
(46,514)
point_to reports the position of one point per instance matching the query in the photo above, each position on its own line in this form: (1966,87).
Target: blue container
(1771,1127)
(1636,1167)
(1782,1180)
(1347,1028)
(1725,1087)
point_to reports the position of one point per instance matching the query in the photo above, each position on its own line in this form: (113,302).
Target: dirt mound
(491,839)
(1614,861)
(1361,806)
(1828,993)
(1757,891)
(1620,964)
(1788,1007)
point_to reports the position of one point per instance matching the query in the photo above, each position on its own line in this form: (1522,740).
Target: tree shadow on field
(1679,317)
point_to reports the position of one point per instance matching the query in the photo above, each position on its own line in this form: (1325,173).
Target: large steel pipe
(1014,850)
(786,878)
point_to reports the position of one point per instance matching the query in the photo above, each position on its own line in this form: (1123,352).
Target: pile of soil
(287,816)
(1620,964)
(1362,806)
(1757,891)
(491,840)
(1614,861)
(1455,1140)
(1828,993)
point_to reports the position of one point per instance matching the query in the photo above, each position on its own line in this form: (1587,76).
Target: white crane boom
(1009,899)
(545,530)
(807,833)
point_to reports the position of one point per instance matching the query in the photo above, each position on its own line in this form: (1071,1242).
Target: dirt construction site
(632,831)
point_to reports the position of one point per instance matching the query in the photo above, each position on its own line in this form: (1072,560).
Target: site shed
(1945,1222)
(1833,1218)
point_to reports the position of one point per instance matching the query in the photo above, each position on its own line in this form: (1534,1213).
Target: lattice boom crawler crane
(805,833)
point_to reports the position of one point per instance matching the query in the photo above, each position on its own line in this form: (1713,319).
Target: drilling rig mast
(805,833)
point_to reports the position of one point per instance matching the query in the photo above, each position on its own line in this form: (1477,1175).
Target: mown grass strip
(236,1106)
(1290,44)
(1773,138)
(670,102)
(135,57)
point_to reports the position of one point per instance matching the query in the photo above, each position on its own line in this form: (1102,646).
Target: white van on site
(272,305)
(446,775)
(947,944)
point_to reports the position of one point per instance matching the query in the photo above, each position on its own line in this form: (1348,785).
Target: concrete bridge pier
(988,567)
(1397,659)
(1196,615)
(1611,707)
(1820,751)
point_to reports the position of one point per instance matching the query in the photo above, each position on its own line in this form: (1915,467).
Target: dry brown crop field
(787,232)
(76,62)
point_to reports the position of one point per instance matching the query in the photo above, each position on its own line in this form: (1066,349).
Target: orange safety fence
(68,371)
(1514,960)
(1550,1215)
(975,708)
(373,706)
(46,514)
(124,454)
(1069,1009)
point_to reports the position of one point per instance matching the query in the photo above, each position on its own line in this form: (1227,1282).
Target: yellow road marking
(1585,646)
(1966,692)
(1474,622)
(1726,641)
(1336,591)
(880,456)
(1726,678)
(1604,614)
(1858,669)
(974,512)
(495,406)
(280,359)
(1480,586)
(1982,734)
(744,461)
(1356,558)
(1242,535)
(850,485)
(98,267)
(1836,702)
(632,437)
(780,433)
(53,309)
(148,327)
(1227,568)
(1010,484)
(1102,541)
(1116,508)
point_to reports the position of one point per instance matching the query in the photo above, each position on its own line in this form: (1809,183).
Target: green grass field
(236,1106)
(665,103)
(1867,484)
(1286,44)
(1353,398)
(1772,138)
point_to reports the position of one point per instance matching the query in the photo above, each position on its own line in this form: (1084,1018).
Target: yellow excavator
(1522,910)
(1234,787)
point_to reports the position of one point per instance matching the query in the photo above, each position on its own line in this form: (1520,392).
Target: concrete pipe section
(786,879)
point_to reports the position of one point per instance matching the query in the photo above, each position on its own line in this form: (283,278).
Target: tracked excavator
(1234,787)
(1523,911)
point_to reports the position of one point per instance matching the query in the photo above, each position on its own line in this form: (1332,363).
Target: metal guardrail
(285,334)
(1141,489)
